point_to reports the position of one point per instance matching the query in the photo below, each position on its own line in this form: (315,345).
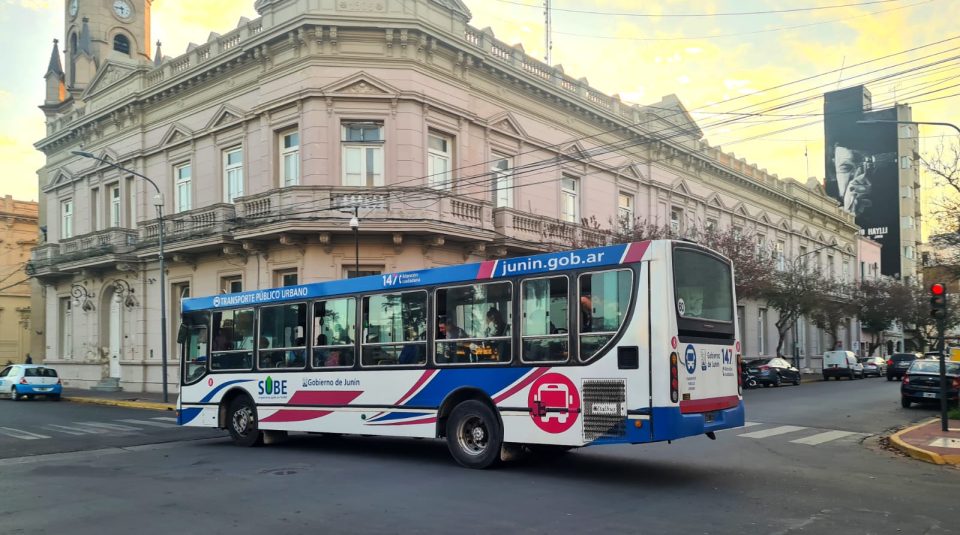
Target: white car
(27,380)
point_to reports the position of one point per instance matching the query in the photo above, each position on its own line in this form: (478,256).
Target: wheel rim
(242,420)
(473,436)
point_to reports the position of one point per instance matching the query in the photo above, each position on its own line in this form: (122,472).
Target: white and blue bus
(629,343)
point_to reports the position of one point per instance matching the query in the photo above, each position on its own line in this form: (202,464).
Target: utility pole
(548,44)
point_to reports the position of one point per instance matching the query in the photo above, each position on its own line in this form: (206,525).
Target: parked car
(874,366)
(898,363)
(921,382)
(773,371)
(837,364)
(27,380)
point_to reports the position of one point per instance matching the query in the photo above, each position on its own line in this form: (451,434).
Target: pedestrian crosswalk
(114,427)
(811,436)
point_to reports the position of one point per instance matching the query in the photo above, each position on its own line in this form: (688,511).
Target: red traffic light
(938,288)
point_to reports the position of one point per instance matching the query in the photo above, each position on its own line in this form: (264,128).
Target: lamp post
(818,249)
(355,225)
(158,202)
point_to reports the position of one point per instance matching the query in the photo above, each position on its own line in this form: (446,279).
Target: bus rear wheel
(474,436)
(242,422)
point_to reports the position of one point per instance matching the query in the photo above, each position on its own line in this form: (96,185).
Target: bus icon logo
(554,403)
(690,359)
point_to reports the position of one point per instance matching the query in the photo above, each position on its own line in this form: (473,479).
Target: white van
(839,364)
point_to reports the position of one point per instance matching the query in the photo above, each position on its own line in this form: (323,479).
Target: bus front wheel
(474,436)
(242,422)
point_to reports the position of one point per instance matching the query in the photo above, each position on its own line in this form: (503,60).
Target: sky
(721,66)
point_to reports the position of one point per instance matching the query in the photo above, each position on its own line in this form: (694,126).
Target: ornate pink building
(451,146)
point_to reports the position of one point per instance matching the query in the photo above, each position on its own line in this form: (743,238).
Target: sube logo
(271,387)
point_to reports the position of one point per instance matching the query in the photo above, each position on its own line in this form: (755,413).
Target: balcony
(94,250)
(310,209)
(193,230)
(43,260)
(530,232)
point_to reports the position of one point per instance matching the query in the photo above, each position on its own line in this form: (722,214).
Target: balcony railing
(111,240)
(318,203)
(543,232)
(213,219)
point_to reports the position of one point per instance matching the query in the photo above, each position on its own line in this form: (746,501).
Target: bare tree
(838,305)
(795,291)
(944,166)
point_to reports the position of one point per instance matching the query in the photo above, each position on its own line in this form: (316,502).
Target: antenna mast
(549,32)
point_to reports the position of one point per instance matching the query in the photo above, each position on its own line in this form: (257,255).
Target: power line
(701,15)
(742,34)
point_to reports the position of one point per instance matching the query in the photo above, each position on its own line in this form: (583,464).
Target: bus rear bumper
(669,423)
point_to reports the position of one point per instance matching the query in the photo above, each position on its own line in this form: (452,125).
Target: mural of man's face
(847,164)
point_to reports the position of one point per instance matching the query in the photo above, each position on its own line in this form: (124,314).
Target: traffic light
(938,300)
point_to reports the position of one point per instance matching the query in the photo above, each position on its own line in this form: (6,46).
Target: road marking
(820,438)
(23,435)
(149,423)
(70,430)
(782,430)
(110,427)
(751,424)
(165,419)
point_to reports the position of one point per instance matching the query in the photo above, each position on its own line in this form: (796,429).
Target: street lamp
(158,202)
(355,225)
(931,123)
(818,249)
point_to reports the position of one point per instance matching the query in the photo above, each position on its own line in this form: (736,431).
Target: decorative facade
(18,221)
(450,146)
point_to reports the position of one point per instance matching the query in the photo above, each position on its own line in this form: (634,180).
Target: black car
(773,372)
(922,382)
(898,363)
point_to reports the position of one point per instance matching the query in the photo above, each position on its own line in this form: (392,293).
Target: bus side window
(232,340)
(334,322)
(391,322)
(604,300)
(282,340)
(544,326)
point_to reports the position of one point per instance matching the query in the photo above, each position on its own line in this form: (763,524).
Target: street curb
(151,405)
(920,453)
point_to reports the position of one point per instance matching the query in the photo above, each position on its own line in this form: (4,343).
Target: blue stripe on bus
(527,265)
(216,390)
(490,380)
(187,415)
(399,416)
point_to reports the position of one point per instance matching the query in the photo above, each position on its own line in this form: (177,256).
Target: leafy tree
(795,291)
(839,304)
(882,302)
(944,166)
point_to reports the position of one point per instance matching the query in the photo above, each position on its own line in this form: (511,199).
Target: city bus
(620,344)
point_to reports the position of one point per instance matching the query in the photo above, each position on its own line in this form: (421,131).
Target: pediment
(741,210)
(632,172)
(225,115)
(176,134)
(361,83)
(574,151)
(506,122)
(806,232)
(107,75)
(785,225)
(680,115)
(63,176)
(715,201)
(680,186)
(762,218)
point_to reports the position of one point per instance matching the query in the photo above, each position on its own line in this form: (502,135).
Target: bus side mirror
(182,334)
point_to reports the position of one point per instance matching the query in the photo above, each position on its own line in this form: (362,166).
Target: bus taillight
(739,373)
(674,379)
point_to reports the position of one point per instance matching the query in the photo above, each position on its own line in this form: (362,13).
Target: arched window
(121,44)
(73,44)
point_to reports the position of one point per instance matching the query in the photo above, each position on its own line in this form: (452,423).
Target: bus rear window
(703,286)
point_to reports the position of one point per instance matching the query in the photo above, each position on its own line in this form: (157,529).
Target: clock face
(122,9)
(74,7)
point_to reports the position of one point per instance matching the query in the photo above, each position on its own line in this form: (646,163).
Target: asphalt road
(807,463)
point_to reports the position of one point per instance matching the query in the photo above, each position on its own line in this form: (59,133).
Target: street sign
(955,354)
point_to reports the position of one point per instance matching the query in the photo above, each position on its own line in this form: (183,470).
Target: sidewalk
(133,400)
(927,442)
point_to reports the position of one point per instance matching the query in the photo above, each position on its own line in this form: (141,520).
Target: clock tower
(98,31)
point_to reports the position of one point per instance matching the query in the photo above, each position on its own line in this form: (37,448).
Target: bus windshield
(702,284)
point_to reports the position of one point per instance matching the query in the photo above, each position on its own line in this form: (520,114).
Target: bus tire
(242,422)
(474,436)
